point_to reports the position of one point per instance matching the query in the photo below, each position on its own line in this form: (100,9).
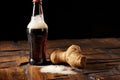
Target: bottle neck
(37,9)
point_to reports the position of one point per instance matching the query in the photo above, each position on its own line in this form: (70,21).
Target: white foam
(37,23)
(57,69)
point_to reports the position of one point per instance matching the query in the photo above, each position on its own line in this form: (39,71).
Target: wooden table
(103,55)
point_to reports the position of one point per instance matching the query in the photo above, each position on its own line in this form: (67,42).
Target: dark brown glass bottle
(37,31)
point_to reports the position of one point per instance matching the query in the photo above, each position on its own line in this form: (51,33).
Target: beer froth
(37,23)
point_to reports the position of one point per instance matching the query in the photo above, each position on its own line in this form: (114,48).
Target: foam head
(37,23)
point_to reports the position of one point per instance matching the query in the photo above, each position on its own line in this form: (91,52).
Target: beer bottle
(37,31)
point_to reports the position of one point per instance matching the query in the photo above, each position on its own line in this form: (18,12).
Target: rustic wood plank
(114,52)
(22,45)
(7,45)
(11,59)
(14,73)
(106,43)
(63,43)
(85,43)
(13,45)
(34,74)
(8,64)
(114,77)
(91,51)
(108,75)
(8,53)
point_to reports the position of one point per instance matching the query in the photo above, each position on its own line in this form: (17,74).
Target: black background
(65,19)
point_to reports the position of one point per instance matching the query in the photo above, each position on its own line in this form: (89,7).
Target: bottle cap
(37,0)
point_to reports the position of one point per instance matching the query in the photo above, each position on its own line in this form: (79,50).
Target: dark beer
(37,41)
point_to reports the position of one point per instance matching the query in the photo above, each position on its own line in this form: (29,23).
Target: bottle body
(37,31)
(37,41)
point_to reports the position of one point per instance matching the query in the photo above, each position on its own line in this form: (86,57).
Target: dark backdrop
(65,19)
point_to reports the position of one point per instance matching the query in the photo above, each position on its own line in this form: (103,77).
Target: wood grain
(103,60)
(14,73)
